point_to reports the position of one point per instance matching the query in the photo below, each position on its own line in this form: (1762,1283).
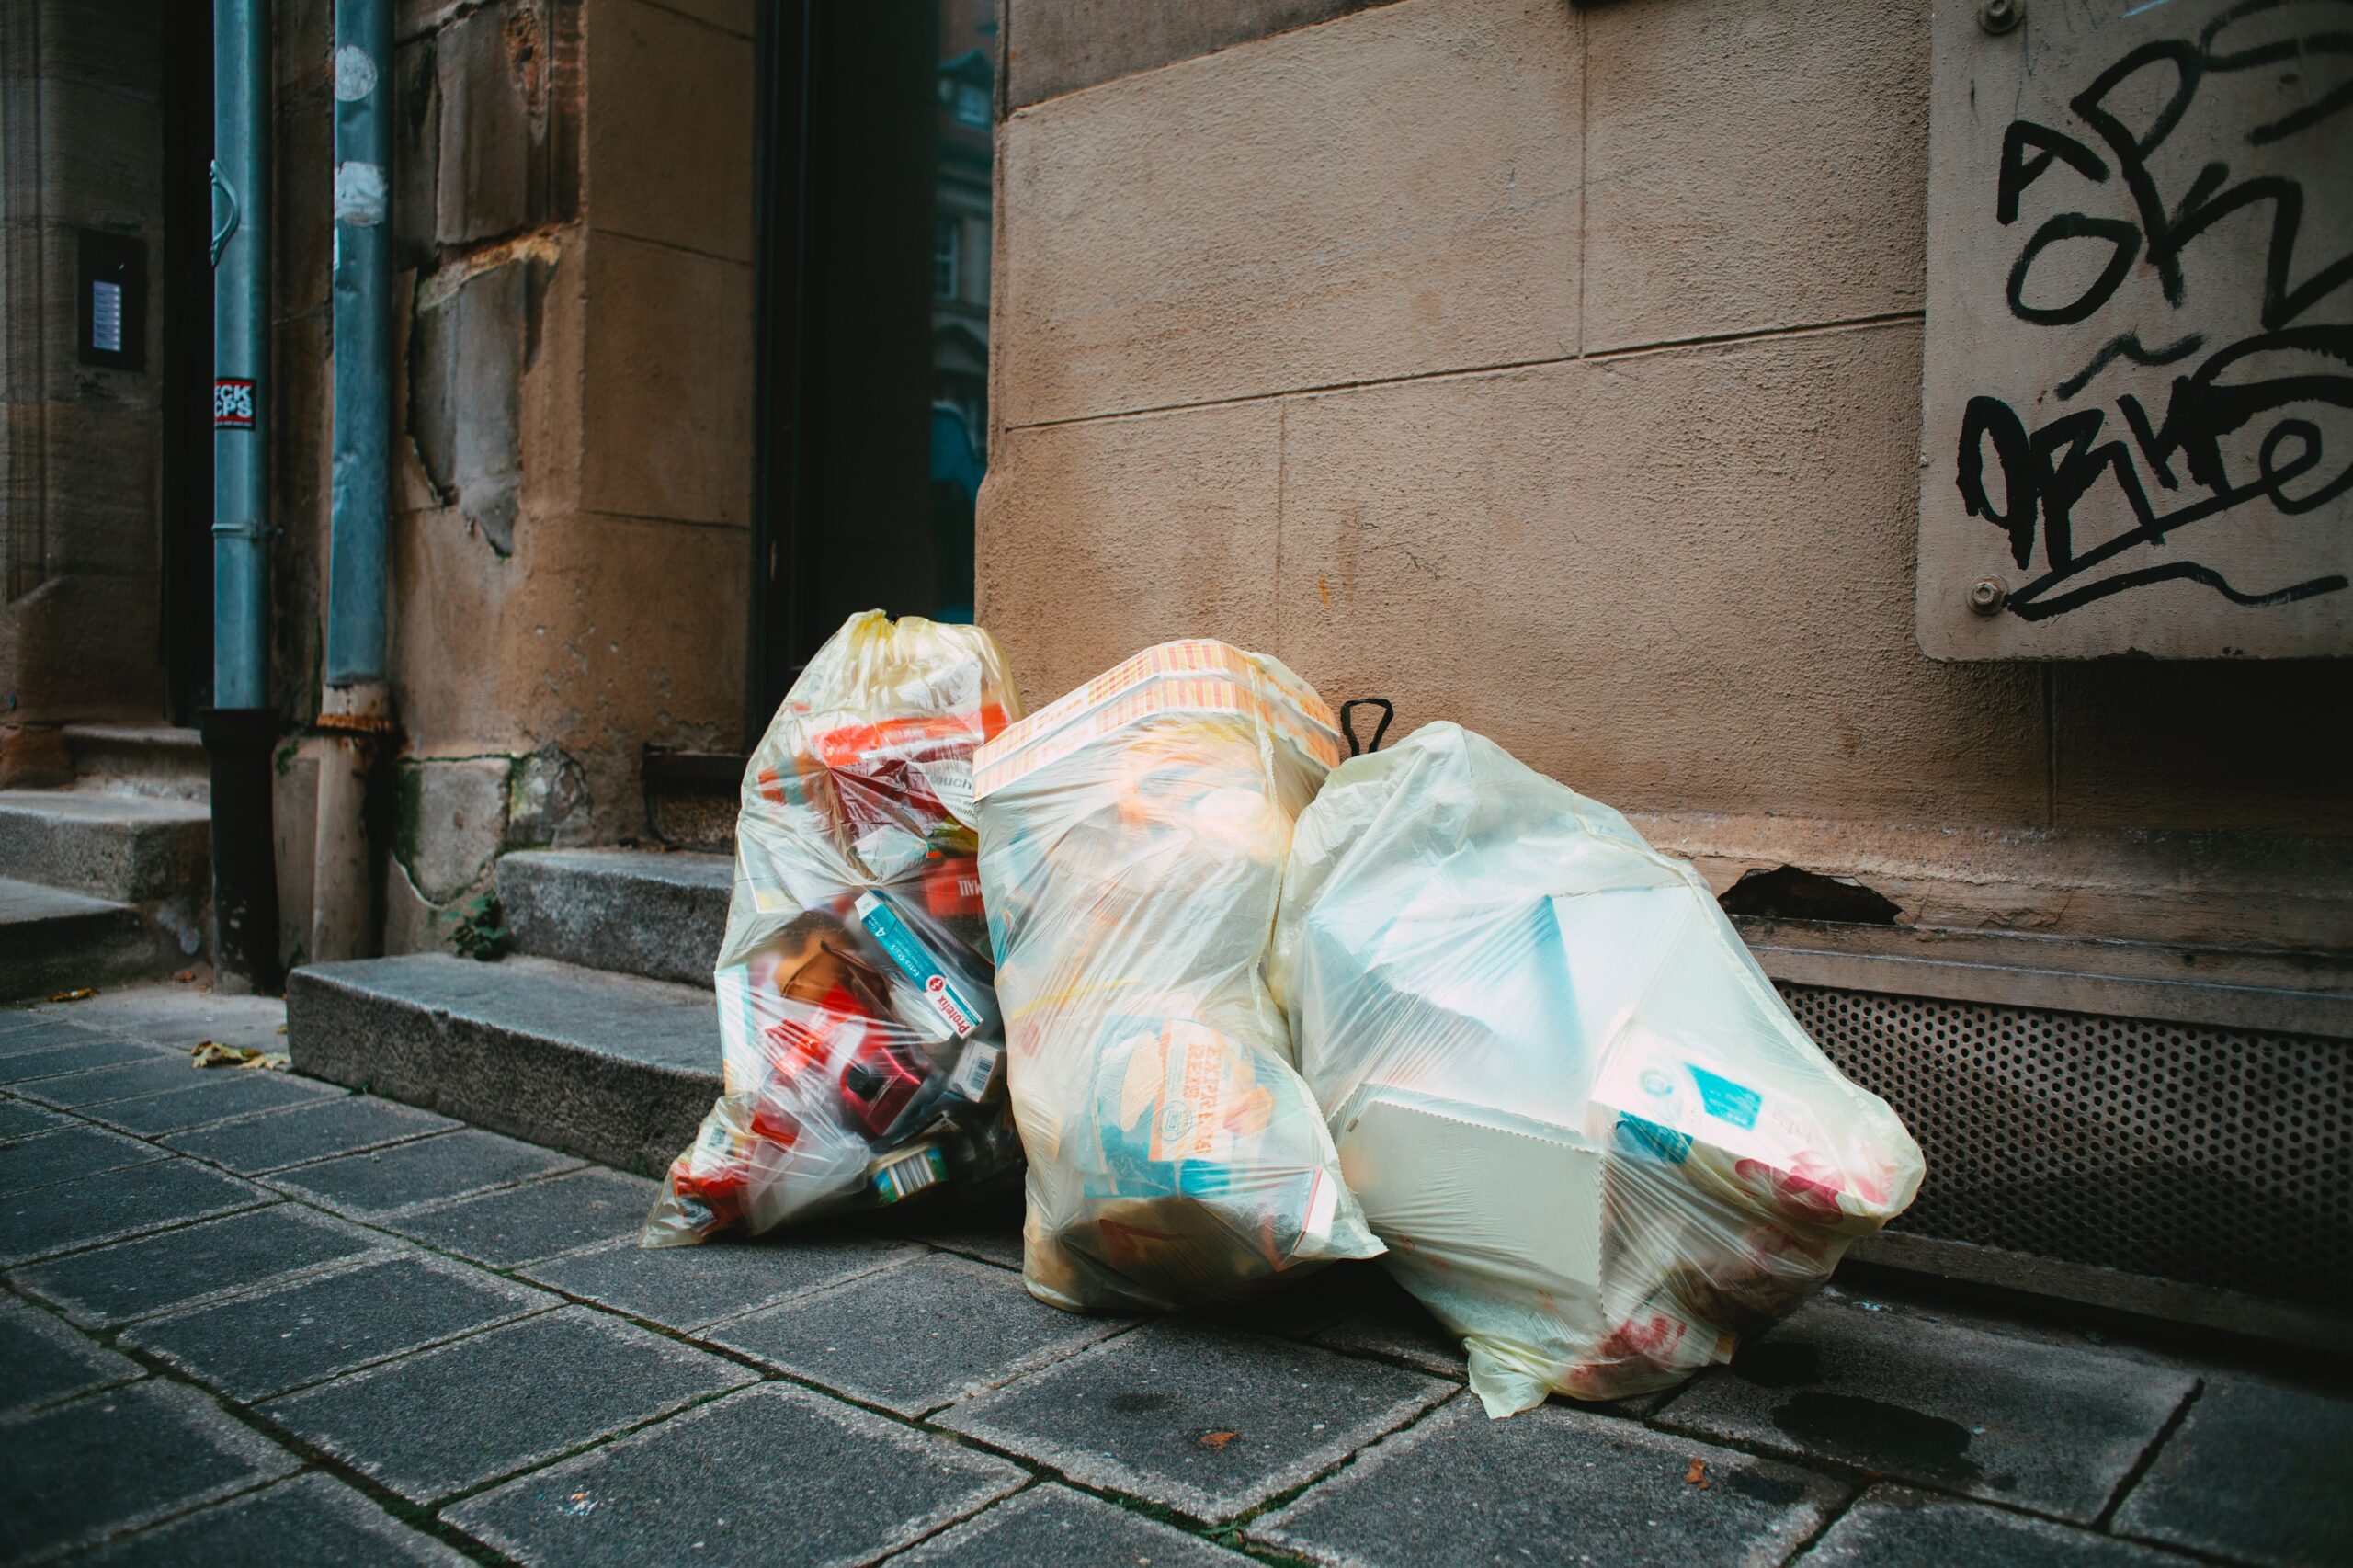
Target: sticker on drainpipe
(232,403)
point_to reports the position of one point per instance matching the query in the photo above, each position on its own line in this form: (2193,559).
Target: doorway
(871,281)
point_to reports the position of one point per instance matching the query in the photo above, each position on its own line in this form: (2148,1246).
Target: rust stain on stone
(525,54)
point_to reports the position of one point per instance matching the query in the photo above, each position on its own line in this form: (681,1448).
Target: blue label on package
(914,961)
(1726,1100)
(1648,1141)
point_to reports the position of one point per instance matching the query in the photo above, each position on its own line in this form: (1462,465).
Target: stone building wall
(1556,368)
(573,307)
(79,543)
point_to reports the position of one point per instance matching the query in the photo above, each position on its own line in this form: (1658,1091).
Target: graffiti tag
(2223,401)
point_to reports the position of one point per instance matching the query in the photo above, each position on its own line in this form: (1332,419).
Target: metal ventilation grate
(2209,1155)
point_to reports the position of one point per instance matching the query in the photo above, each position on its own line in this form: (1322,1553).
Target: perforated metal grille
(2209,1155)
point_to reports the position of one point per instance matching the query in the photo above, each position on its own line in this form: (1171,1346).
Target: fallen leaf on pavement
(1697,1475)
(79,994)
(1217,1439)
(212,1053)
(185,976)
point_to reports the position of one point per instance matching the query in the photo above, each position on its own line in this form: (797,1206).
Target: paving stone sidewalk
(250,1318)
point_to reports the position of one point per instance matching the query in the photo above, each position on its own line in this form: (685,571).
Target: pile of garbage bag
(1597,1143)
(1134,836)
(1247,1009)
(859,1029)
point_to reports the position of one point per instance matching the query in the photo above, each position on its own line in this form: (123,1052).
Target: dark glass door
(872,281)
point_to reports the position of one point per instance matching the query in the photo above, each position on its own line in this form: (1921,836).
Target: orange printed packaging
(859,1036)
(1132,839)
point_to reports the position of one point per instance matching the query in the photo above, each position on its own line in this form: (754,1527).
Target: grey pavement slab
(689,1288)
(2053,1427)
(1388,1322)
(1425,1346)
(955,1328)
(171,1013)
(112,1285)
(22,1032)
(771,1474)
(43,1360)
(320,1130)
(19,1015)
(455,1165)
(311,1521)
(1303,1306)
(110,1462)
(1196,1417)
(118,1203)
(19,1120)
(443,1420)
(1561,1484)
(1052,1527)
(992,1235)
(1893,1527)
(63,1059)
(226,1092)
(254,1345)
(151,1072)
(66,1154)
(2255,1472)
(522,1224)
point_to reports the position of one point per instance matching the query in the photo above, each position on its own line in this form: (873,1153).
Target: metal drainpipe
(354,707)
(240,729)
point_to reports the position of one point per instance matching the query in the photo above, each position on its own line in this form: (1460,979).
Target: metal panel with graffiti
(2138,387)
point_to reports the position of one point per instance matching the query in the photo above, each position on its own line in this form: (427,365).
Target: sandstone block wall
(80,600)
(569,553)
(1555,369)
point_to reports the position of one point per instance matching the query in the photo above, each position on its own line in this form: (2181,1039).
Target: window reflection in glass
(960,305)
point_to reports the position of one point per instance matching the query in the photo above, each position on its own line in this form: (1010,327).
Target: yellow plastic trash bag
(1597,1145)
(860,1042)
(1132,842)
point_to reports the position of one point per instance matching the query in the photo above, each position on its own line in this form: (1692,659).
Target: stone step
(629,911)
(142,759)
(615,1068)
(52,940)
(131,849)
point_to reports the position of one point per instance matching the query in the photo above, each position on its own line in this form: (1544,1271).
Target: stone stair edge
(170,737)
(128,848)
(105,805)
(355,973)
(561,903)
(53,938)
(390,1026)
(157,761)
(620,859)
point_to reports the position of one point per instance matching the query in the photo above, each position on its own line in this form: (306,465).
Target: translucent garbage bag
(1132,841)
(860,1041)
(1597,1146)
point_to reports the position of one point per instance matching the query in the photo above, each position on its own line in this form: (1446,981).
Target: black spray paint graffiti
(2045,473)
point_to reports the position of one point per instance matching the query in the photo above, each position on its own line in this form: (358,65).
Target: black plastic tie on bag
(1347,723)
